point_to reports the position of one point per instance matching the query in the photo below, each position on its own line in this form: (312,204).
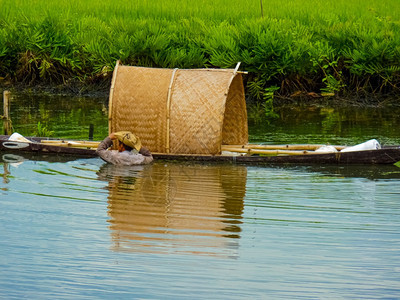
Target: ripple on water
(83,227)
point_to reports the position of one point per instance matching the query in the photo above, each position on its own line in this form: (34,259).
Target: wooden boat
(192,111)
(251,154)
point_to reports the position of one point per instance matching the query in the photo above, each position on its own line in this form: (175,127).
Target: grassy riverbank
(295,48)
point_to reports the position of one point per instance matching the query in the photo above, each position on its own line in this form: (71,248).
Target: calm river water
(83,229)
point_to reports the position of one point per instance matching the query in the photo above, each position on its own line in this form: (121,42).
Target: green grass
(300,45)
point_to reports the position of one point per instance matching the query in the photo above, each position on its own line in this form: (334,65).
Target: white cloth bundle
(368,145)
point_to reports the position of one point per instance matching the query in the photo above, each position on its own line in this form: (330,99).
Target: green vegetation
(42,130)
(299,46)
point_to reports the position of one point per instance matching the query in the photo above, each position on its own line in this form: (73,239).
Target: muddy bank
(79,90)
(346,100)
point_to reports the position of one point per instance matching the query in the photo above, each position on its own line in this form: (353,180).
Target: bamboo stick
(268,152)
(61,144)
(72,144)
(167,137)
(236,68)
(110,101)
(83,143)
(311,147)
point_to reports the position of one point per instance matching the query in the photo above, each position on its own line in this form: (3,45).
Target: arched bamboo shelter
(179,111)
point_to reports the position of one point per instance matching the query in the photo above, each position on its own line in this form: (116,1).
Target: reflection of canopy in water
(179,111)
(192,208)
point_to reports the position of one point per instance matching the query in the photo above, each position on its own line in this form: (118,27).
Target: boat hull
(380,156)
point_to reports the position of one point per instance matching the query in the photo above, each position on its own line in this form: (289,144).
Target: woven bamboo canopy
(179,111)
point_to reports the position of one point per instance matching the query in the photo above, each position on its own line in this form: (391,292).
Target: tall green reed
(299,45)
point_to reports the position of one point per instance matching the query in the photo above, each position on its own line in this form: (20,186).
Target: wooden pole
(262,10)
(6,111)
(91,131)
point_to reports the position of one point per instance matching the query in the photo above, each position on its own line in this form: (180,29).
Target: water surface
(83,229)
(86,229)
(313,124)
(62,116)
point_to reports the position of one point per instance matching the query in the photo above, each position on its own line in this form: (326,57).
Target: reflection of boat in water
(18,157)
(176,207)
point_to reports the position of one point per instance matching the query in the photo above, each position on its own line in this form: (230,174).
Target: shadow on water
(11,157)
(373,172)
(163,208)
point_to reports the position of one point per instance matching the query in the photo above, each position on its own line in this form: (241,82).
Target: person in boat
(130,150)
